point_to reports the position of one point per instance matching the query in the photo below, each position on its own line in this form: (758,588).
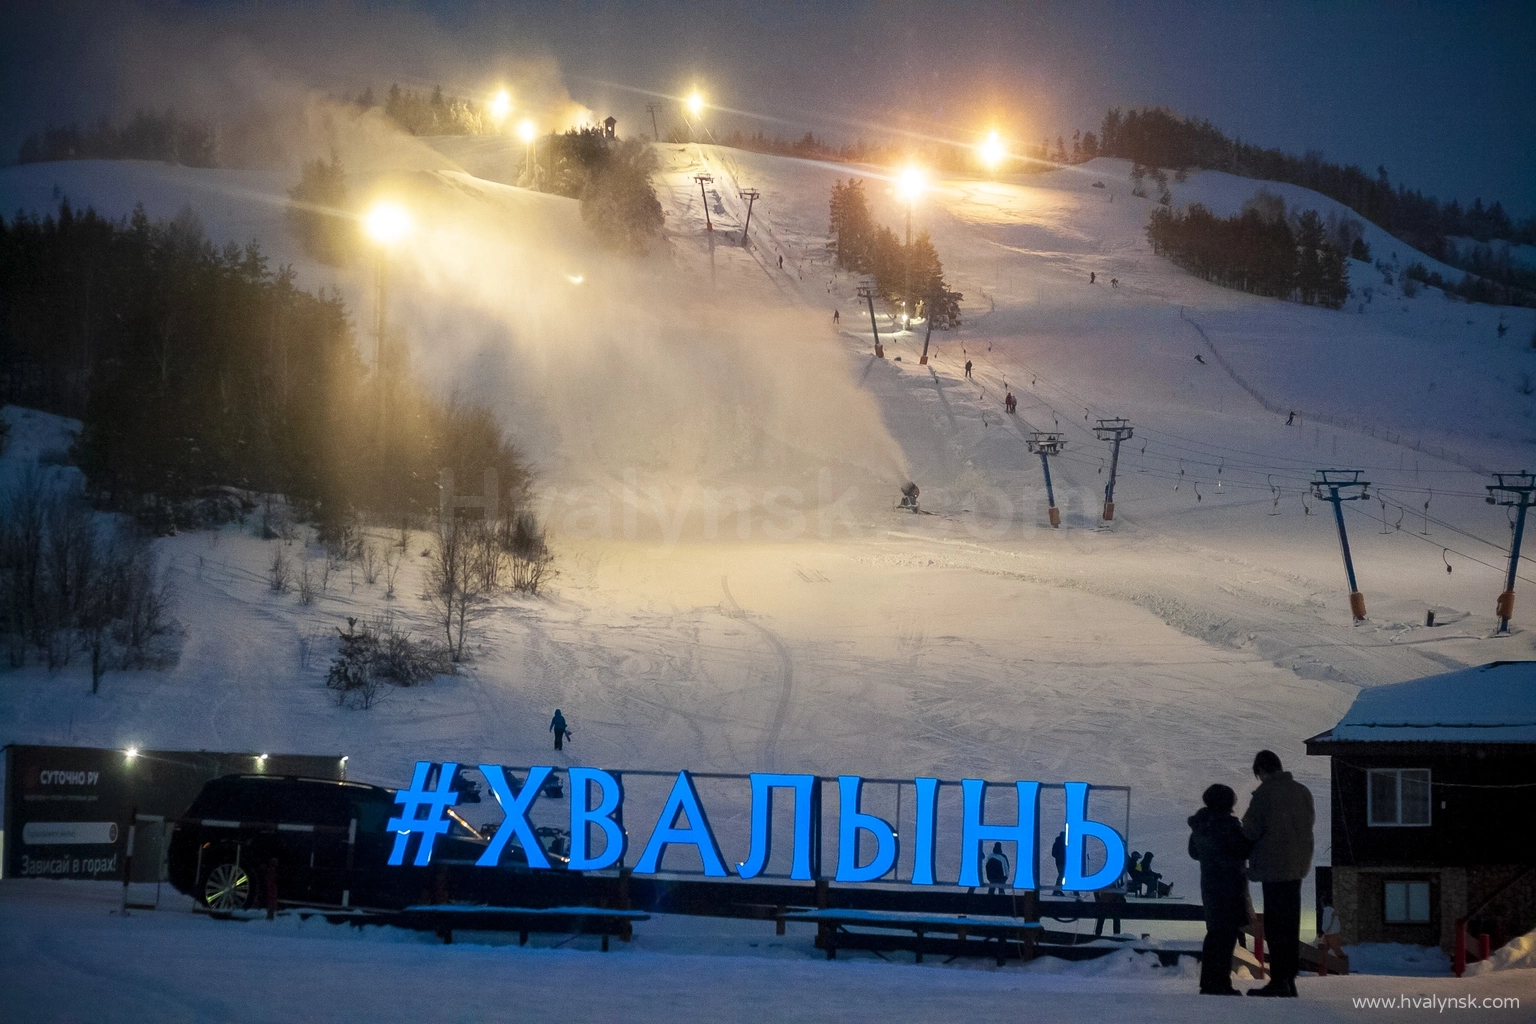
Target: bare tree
(279,570)
(453,587)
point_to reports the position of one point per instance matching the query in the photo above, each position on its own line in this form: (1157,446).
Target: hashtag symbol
(412,801)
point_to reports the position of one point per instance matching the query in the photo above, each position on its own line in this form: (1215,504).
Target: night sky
(1443,94)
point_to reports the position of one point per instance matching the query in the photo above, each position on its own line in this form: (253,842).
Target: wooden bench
(1000,938)
(445,918)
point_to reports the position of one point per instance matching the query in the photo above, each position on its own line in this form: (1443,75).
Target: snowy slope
(719,465)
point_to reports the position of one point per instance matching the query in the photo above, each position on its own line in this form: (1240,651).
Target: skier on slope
(557,726)
(1010,403)
(967,368)
(837,317)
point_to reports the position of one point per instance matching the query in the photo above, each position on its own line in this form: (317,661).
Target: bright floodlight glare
(992,150)
(911,183)
(527,131)
(131,753)
(696,103)
(387,222)
(501,106)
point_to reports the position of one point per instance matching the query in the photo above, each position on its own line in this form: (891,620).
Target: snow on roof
(1494,703)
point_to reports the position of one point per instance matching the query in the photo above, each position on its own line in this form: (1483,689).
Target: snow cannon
(1357,605)
(909,493)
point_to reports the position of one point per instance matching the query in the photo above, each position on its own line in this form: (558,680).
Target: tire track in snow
(786,668)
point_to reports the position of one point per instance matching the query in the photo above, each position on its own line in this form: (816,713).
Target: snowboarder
(557,726)
(1114,282)
(1059,855)
(909,493)
(837,317)
(1291,418)
(1092,275)
(995,869)
(1216,840)
(1010,403)
(968,368)
(1199,358)
(781,262)
(1279,823)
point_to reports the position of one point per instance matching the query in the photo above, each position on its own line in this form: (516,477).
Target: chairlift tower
(1046,443)
(1515,490)
(751,195)
(650,108)
(705,179)
(1114,431)
(1337,486)
(867,293)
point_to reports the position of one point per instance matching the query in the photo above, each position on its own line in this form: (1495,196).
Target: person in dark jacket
(1059,855)
(1279,822)
(1216,840)
(995,870)
(557,726)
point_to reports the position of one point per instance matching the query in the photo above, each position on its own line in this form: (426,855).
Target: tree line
(202,376)
(168,137)
(1260,250)
(908,277)
(1159,138)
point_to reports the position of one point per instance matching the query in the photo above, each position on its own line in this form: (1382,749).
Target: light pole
(909,187)
(529,133)
(386,224)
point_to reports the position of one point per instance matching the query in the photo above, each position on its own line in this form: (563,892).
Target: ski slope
(719,465)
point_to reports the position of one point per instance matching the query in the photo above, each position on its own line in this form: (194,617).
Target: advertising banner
(68,809)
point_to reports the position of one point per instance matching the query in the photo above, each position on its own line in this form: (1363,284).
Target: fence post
(1459,948)
(133,817)
(1484,946)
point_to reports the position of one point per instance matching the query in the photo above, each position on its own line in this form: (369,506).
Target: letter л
(807,854)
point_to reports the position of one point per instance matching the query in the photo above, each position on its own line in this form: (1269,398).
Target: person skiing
(995,870)
(1291,418)
(967,368)
(781,262)
(1010,403)
(1216,840)
(1279,823)
(1091,276)
(557,726)
(1059,855)
(837,317)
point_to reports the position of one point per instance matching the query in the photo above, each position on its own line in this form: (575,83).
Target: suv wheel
(227,887)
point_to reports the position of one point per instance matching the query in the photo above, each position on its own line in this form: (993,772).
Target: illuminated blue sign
(597,801)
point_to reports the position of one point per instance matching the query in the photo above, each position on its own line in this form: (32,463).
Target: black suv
(323,843)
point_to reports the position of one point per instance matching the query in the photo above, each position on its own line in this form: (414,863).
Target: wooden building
(1434,792)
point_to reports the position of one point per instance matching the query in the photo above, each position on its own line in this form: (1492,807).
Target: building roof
(1494,703)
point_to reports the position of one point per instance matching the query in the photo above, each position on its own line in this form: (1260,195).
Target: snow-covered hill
(719,464)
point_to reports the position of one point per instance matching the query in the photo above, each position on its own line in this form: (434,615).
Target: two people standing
(1275,839)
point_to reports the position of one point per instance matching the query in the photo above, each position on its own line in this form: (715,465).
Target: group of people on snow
(1271,845)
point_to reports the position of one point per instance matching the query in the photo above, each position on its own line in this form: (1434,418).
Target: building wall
(1454,891)
(1475,796)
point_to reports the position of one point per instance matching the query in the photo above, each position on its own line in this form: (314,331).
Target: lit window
(1405,902)
(1398,796)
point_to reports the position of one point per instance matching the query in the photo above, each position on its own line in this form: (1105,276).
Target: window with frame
(1405,902)
(1397,796)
